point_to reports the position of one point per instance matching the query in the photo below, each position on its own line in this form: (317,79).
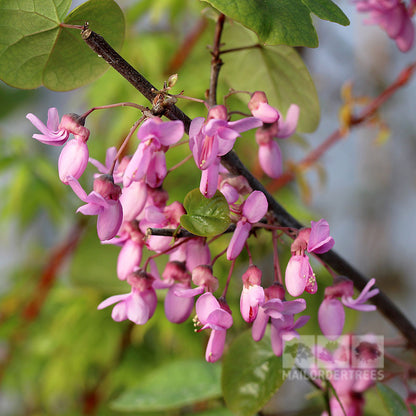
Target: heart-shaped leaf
(281,22)
(251,374)
(172,386)
(35,50)
(205,216)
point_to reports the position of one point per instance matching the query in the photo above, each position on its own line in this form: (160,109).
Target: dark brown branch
(234,165)
(216,62)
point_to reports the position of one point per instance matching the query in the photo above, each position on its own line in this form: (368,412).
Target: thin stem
(241,48)
(125,142)
(103,107)
(224,293)
(276,264)
(221,253)
(216,61)
(179,164)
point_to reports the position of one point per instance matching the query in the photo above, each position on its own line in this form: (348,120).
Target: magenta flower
(252,295)
(299,275)
(176,279)
(280,312)
(213,138)
(216,315)
(319,239)
(331,314)
(203,278)
(73,160)
(148,161)
(270,156)
(52,134)
(139,305)
(253,210)
(104,202)
(133,199)
(392,16)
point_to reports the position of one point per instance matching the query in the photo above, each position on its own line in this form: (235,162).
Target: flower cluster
(128,199)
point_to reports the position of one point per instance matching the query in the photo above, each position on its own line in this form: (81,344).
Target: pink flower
(299,276)
(213,138)
(203,278)
(176,278)
(331,314)
(216,315)
(149,159)
(319,239)
(270,156)
(73,160)
(253,210)
(392,16)
(104,202)
(139,305)
(281,313)
(51,133)
(252,295)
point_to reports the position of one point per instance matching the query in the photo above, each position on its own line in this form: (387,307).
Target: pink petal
(287,127)
(77,188)
(297,273)
(331,317)
(156,171)
(245,124)
(215,346)
(109,221)
(73,160)
(238,239)
(195,128)
(259,325)
(129,258)
(266,113)
(255,207)
(133,199)
(270,158)
(177,309)
(205,304)
(137,309)
(319,239)
(119,312)
(112,299)
(209,179)
(170,132)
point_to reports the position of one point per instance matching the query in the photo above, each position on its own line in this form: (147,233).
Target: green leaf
(205,216)
(281,22)
(279,71)
(172,386)
(251,374)
(327,10)
(276,22)
(394,404)
(36,51)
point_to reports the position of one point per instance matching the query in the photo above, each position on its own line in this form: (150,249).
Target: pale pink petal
(137,309)
(319,239)
(119,312)
(255,207)
(209,179)
(238,239)
(129,258)
(170,132)
(205,304)
(245,124)
(133,199)
(109,221)
(73,160)
(265,112)
(270,158)
(112,299)
(215,346)
(297,273)
(331,317)
(177,309)
(259,325)
(156,171)
(288,126)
